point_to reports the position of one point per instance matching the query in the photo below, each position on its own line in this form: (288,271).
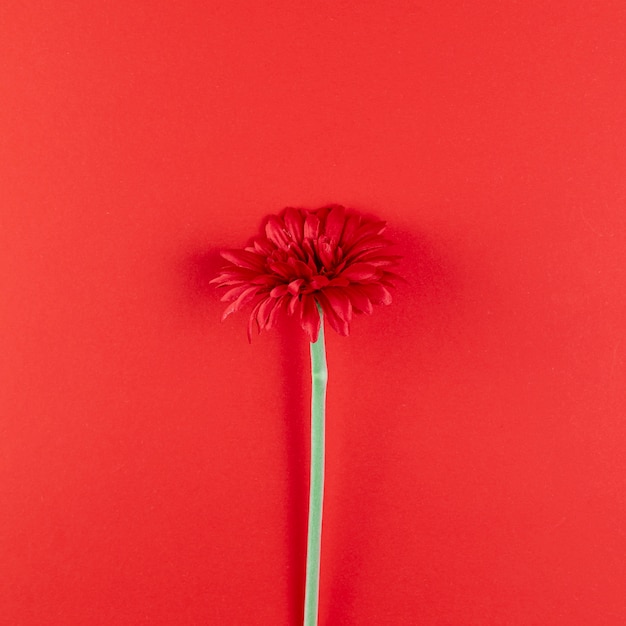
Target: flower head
(330,256)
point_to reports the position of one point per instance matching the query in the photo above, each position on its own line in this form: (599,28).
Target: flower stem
(319,378)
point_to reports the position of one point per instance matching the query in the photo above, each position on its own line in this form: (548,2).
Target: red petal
(228,283)
(276,232)
(296,252)
(390,276)
(294,286)
(311,255)
(279,291)
(225,279)
(369,228)
(302,270)
(311,226)
(244,258)
(310,318)
(386,296)
(319,281)
(340,302)
(376,293)
(360,272)
(378,256)
(294,221)
(266,280)
(264,311)
(253,320)
(282,269)
(234,292)
(239,273)
(339,281)
(335,222)
(246,296)
(365,245)
(281,305)
(293,304)
(325,253)
(336,323)
(263,246)
(349,229)
(360,301)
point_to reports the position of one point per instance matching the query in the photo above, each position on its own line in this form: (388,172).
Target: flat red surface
(154,465)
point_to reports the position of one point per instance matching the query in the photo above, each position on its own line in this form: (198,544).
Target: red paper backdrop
(154,465)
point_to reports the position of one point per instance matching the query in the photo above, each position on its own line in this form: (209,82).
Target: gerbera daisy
(330,263)
(330,257)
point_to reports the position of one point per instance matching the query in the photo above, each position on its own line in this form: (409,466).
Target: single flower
(329,263)
(332,256)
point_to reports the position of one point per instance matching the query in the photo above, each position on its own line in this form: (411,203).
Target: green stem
(319,378)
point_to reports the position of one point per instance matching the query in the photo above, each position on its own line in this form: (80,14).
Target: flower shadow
(295,381)
(373,423)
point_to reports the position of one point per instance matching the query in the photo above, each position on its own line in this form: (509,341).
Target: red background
(154,465)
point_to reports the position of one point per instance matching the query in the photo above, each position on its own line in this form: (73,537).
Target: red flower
(331,256)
